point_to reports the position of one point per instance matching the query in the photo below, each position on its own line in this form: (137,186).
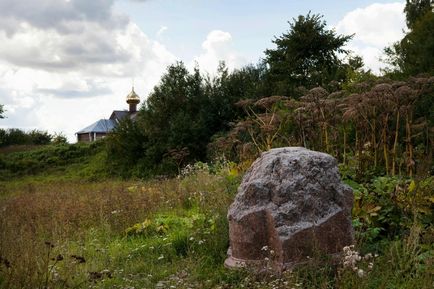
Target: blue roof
(102,125)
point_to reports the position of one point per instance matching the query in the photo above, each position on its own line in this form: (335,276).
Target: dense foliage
(186,111)
(381,128)
(306,56)
(415,10)
(413,54)
(179,118)
(14,136)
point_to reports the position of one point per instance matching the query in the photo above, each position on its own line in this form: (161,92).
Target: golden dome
(132,97)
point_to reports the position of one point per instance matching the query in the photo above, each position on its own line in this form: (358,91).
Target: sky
(65,64)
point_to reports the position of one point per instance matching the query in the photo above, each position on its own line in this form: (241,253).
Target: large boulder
(292,204)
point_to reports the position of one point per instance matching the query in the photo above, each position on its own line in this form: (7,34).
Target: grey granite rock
(292,202)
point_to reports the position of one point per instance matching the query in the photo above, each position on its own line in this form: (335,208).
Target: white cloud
(66,64)
(58,15)
(217,47)
(375,27)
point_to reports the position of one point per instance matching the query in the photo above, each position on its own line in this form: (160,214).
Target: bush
(14,136)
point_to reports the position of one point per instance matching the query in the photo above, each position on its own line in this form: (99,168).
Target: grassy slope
(51,163)
(60,230)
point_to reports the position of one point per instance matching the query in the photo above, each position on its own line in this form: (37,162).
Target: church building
(102,127)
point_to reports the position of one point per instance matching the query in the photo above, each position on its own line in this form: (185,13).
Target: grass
(170,233)
(53,162)
(42,221)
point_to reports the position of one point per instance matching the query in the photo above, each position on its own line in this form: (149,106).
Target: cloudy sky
(67,63)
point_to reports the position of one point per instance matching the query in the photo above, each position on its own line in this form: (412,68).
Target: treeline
(179,119)
(304,92)
(188,110)
(14,136)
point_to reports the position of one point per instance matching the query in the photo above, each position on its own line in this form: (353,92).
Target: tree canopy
(414,53)
(181,115)
(189,115)
(306,55)
(415,10)
(417,47)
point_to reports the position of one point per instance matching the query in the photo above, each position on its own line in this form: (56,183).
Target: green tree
(38,137)
(414,53)
(15,136)
(417,47)
(306,56)
(175,115)
(59,139)
(125,147)
(416,9)
(226,89)
(2,111)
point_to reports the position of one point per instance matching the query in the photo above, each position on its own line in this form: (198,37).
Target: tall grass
(42,221)
(169,233)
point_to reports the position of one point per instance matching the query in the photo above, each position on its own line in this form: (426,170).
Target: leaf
(411,186)
(162,229)
(375,209)
(233,172)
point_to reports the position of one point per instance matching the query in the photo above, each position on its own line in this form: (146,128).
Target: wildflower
(201,242)
(265,248)
(360,273)
(161,257)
